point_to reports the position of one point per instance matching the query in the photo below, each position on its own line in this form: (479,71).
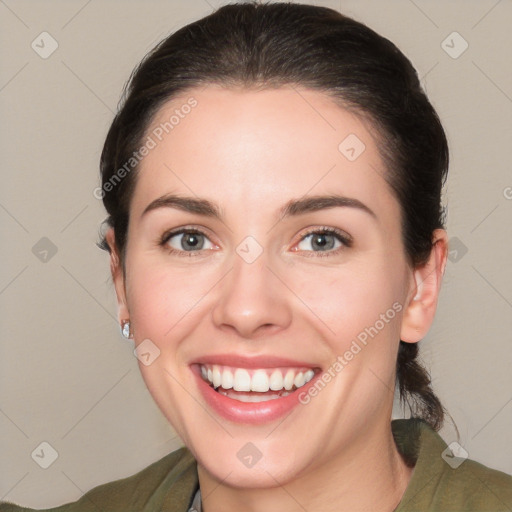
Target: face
(291,304)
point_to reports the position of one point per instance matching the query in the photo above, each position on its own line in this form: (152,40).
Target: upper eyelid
(345,239)
(180,231)
(325,229)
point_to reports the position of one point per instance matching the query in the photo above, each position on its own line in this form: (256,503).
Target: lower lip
(248,412)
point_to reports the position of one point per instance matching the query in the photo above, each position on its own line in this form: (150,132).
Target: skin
(251,152)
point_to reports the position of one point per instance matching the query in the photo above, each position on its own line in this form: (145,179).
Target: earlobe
(117,277)
(422,299)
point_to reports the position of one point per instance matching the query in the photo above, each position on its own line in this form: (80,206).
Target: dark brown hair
(258,45)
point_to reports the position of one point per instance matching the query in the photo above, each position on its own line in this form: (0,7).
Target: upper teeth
(262,380)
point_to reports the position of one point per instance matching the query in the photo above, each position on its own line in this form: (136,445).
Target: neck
(370,475)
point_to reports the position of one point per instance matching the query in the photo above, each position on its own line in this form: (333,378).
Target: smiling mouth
(255,385)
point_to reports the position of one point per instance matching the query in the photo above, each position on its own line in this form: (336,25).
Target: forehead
(239,147)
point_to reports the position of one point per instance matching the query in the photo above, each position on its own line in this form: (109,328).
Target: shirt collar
(196,504)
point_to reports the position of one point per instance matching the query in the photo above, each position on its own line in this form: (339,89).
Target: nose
(252,300)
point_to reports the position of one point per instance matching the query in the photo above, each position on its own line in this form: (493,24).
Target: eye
(186,240)
(328,240)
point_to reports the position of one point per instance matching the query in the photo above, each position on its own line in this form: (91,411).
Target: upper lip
(260,361)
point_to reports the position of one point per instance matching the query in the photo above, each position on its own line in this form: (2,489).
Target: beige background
(67,376)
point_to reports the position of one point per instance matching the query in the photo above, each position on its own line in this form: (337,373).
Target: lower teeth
(251,397)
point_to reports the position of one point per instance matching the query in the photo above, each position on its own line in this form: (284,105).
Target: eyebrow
(292,208)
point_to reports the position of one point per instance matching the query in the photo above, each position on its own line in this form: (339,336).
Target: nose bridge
(251,296)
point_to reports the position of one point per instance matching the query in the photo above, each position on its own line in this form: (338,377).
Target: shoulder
(443,481)
(477,485)
(169,481)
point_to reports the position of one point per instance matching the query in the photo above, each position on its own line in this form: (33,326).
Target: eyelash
(345,240)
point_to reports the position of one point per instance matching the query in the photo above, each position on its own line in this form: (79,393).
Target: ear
(116,270)
(421,301)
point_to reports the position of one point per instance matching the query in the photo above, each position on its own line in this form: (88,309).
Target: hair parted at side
(270,45)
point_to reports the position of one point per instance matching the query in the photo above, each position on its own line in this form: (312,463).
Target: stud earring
(125,329)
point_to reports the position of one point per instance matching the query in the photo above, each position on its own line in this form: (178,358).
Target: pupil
(190,241)
(321,242)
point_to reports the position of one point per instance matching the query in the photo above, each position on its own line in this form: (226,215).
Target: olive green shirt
(440,482)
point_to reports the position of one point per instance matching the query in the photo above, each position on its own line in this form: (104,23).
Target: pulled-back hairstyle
(259,46)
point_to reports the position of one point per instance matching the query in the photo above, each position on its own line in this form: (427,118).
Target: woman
(273,183)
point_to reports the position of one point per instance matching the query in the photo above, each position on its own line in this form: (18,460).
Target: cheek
(348,299)
(163,300)
(166,307)
(342,302)
(358,312)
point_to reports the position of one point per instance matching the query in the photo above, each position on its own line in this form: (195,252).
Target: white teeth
(242,380)
(276,380)
(251,398)
(308,376)
(299,380)
(217,379)
(227,379)
(260,380)
(288,380)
